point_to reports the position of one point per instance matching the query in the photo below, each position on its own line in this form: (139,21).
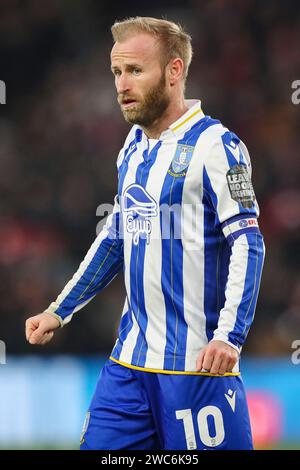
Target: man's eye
(136,71)
(117,73)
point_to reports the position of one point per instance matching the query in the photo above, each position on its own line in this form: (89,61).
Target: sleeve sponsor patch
(240,185)
(242,224)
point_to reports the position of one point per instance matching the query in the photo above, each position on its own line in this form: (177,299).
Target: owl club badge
(181,160)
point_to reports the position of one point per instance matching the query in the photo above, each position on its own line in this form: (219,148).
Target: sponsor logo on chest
(139,206)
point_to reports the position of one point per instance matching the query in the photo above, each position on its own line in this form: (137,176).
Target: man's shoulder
(217,135)
(133,136)
(210,135)
(220,144)
(135,133)
(214,128)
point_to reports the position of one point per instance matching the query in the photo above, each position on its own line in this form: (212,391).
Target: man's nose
(123,84)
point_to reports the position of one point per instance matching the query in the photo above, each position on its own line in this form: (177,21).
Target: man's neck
(172,113)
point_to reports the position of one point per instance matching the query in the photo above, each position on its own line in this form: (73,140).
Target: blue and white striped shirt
(184,229)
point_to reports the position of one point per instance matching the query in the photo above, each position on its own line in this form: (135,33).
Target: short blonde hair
(174,40)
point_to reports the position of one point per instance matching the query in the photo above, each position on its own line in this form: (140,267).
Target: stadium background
(60,133)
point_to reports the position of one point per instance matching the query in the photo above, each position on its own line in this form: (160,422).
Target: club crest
(181,160)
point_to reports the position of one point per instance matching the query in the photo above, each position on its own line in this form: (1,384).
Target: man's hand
(40,328)
(217,358)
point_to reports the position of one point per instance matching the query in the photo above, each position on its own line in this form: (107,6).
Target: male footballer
(184,230)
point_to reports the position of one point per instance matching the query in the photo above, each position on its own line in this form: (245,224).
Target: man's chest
(157,189)
(166,174)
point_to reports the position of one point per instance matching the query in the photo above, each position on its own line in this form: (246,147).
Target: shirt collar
(186,121)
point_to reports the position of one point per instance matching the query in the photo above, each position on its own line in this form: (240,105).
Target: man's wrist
(221,337)
(61,323)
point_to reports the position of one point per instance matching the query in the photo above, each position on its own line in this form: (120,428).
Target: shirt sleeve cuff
(222,337)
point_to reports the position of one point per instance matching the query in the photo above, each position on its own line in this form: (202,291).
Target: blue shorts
(137,410)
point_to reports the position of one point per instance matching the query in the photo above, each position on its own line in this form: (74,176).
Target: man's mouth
(127,103)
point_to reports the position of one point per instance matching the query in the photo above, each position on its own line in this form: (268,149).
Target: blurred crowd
(61,131)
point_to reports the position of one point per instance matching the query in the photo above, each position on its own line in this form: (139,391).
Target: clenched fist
(40,328)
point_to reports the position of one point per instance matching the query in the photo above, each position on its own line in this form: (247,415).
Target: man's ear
(175,70)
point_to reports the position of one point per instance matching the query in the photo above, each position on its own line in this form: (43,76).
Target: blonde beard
(151,108)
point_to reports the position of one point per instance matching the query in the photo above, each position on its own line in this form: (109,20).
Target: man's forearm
(242,289)
(100,265)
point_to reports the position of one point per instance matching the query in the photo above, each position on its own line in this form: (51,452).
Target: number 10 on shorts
(202,420)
